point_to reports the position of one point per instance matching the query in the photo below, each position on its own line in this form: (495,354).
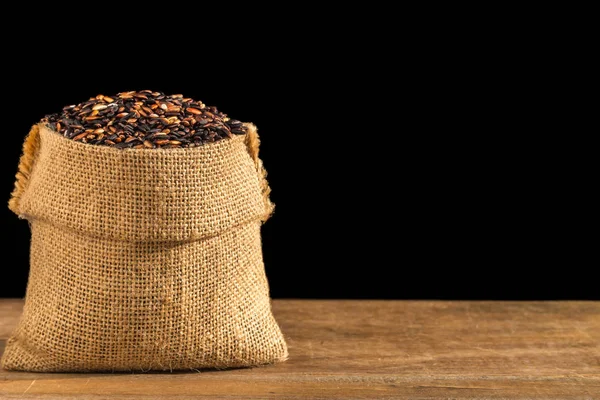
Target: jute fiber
(143,259)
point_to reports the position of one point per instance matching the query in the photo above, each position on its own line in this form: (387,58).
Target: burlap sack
(143,259)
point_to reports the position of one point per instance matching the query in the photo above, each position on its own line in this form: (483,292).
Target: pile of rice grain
(144,119)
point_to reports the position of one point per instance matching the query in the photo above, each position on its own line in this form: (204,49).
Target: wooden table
(376,349)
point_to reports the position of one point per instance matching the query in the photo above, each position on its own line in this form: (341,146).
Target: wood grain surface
(374,349)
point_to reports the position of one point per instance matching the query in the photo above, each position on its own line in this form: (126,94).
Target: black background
(392,179)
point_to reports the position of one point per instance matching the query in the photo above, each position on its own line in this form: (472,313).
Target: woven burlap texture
(143,259)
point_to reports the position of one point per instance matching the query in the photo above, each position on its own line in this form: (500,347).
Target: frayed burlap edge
(253,144)
(30,149)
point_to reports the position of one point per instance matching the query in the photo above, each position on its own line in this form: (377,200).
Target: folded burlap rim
(40,135)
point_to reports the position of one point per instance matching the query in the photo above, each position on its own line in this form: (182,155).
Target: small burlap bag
(143,259)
